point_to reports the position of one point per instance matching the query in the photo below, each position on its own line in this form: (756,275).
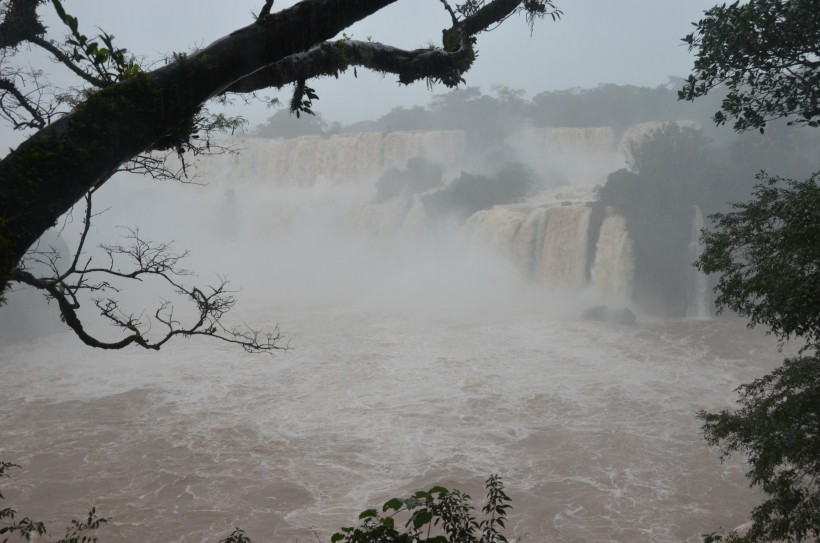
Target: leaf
(395,504)
(421,517)
(369,513)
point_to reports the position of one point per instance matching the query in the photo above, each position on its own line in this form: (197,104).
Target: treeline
(678,167)
(505,109)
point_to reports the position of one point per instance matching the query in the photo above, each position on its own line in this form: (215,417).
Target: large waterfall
(346,158)
(546,235)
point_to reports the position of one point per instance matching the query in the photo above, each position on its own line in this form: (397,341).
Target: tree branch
(20,23)
(332,58)
(452,13)
(156,110)
(266,8)
(63,59)
(150,260)
(37,119)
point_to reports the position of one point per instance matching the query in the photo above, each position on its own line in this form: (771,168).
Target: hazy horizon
(595,42)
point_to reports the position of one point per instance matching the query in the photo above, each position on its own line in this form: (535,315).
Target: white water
(591,426)
(546,240)
(418,360)
(614,267)
(698,304)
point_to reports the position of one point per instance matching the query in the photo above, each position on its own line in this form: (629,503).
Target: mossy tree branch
(136,112)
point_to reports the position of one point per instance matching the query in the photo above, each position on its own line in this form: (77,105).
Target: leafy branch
(437,515)
(108,62)
(80,531)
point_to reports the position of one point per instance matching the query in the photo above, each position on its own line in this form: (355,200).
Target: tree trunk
(47,174)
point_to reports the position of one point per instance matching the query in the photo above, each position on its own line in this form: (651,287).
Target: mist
(494,290)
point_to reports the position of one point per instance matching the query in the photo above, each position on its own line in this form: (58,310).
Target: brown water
(591,426)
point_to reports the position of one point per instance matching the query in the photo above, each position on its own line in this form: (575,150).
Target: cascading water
(547,242)
(564,256)
(698,299)
(344,158)
(613,270)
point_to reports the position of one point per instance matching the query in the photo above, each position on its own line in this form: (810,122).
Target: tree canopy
(767,253)
(767,53)
(122,116)
(764,252)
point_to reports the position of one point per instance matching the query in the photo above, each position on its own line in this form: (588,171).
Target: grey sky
(597,41)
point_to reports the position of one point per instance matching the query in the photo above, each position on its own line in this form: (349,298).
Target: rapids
(591,425)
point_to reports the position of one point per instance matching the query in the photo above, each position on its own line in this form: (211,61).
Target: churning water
(417,360)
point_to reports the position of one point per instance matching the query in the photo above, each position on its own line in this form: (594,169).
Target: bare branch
(452,13)
(138,259)
(266,8)
(37,120)
(63,59)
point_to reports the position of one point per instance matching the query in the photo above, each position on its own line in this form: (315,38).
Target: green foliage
(731,537)
(765,52)
(487,119)
(618,106)
(108,62)
(24,528)
(767,252)
(671,171)
(778,428)
(469,193)
(80,531)
(284,124)
(438,515)
(419,176)
(302,99)
(237,536)
(83,531)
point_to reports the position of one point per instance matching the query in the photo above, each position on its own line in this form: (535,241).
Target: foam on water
(591,426)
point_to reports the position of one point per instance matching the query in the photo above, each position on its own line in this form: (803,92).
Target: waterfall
(548,243)
(578,156)
(345,158)
(563,260)
(511,230)
(546,236)
(614,267)
(698,296)
(364,156)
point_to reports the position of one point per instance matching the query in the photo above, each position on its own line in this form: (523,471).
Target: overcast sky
(596,41)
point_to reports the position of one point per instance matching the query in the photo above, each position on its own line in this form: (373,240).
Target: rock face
(603,313)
